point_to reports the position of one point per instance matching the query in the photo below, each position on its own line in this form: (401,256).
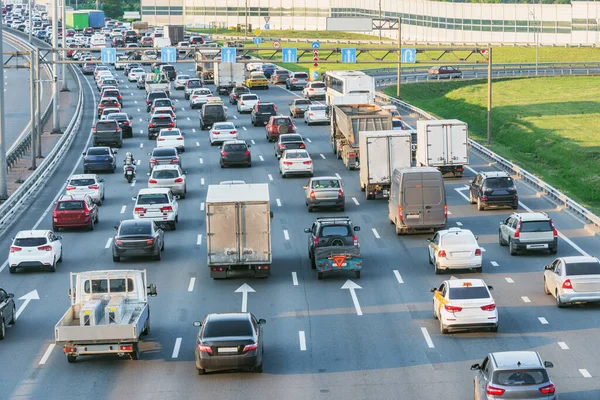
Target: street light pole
(380,21)
(30,23)
(32,104)
(65,84)
(3,170)
(536,34)
(55,115)
(246,25)
(399,57)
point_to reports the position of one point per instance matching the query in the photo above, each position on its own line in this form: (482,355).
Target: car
(324,191)
(100,68)
(200,97)
(107,111)
(279,76)
(35,249)
(288,141)
(134,74)
(190,85)
(246,102)
(295,162)
(168,70)
(444,72)
(513,375)
(164,111)
(298,107)
(229,341)
(268,69)
(153,96)
(332,231)
(171,137)
(222,131)
(180,81)
(88,69)
(235,152)
(8,311)
(211,113)
(74,211)
(399,125)
(169,176)
(161,102)
(141,82)
(236,92)
(131,66)
(257,80)
(262,112)
(164,155)
(254,66)
(135,237)
(454,248)
(88,184)
(528,231)
(107,132)
(296,80)
(316,114)
(107,81)
(392,109)
(157,204)
(121,61)
(279,125)
(573,280)
(158,122)
(103,74)
(99,159)
(464,304)
(234,182)
(124,123)
(493,189)
(106,102)
(110,92)
(314,90)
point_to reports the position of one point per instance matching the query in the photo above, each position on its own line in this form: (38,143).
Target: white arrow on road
(351,286)
(244,290)
(33,295)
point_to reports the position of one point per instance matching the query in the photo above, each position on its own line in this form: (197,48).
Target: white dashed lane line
(202,181)
(261,158)
(295,279)
(509,280)
(108,242)
(201,160)
(543,320)
(302,339)
(585,373)
(427,337)
(355,201)
(199,240)
(338,175)
(459,223)
(123,209)
(376,233)
(494,263)
(563,345)
(525,299)
(286,235)
(278,202)
(191,285)
(308,140)
(244,128)
(270,177)
(202,206)
(398,276)
(176,348)
(322,156)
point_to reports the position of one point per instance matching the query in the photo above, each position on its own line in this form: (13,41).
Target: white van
(98,41)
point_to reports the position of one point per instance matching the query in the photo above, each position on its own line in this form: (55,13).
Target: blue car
(41,35)
(99,159)
(268,69)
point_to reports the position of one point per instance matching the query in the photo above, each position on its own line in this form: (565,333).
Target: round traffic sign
(257,41)
(276,44)
(315,75)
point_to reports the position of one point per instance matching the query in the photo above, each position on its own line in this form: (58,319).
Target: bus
(349,87)
(98,41)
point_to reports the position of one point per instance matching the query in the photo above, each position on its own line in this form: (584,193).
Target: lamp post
(536,34)
(246,15)
(3,169)
(55,114)
(380,21)
(65,84)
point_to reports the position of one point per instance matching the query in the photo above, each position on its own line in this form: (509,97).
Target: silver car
(573,280)
(89,184)
(528,231)
(324,191)
(180,81)
(297,80)
(316,114)
(169,176)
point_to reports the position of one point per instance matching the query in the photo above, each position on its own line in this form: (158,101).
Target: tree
(112,8)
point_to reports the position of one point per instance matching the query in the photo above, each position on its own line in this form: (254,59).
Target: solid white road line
(322,156)
(202,181)
(427,337)
(176,348)
(270,177)
(509,280)
(338,175)
(543,320)
(191,285)
(47,354)
(585,373)
(202,206)
(563,345)
(458,223)
(398,277)
(278,202)
(201,160)
(244,128)
(308,140)
(302,338)
(471,169)
(197,144)
(286,235)
(355,201)
(376,233)
(494,263)
(525,299)
(123,209)
(294,279)
(459,191)
(261,158)
(108,242)
(199,241)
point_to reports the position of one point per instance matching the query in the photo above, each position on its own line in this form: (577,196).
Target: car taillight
(96,187)
(70,187)
(518,231)
(195,97)
(175,160)
(281,146)
(166,209)
(302,146)
(152,125)
(119,242)
(119,97)
(489,307)
(340,193)
(249,347)
(354,240)
(152,181)
(316,242)
(287,163)
(494,391)
(445,211)
(139,210)
(399,213)
(172,124)
(554,231)
(14,249)
(242,103)
(153,161)
(478,252)
(442,253)
(452,308)
(126,347)
(312,194)
(567,284)
(150,241)
(294,80)
(247,153)
(307,162)
(549,389)
(147,101)
(125,122)
(275,109)
(310,114)
(233,132)
(235,96)
(45,248)
(223,154)
(202,348)
(296,109)
(160,139)
(94,129)
(178,180)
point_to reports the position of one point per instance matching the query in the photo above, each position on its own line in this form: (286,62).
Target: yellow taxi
(257,80)
(464,304)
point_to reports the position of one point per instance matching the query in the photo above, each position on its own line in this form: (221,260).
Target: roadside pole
(3,171)
(32,104)
(399,57)
(489,99)
(65,81)
(38,97)
(55,115)
(30,14)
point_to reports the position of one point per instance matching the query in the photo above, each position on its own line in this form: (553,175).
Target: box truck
(443,144)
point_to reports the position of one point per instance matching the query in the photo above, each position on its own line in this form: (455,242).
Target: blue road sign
(228,54)
(315,75)
(257,40)
(316,45)
(108,55)
(409,55)
(348,55)
(168,54)
(267,27)
(289,55)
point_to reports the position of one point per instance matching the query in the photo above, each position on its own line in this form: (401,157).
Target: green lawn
(549,126)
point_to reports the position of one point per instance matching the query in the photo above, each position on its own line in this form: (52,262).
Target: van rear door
(412,200)
(434,199)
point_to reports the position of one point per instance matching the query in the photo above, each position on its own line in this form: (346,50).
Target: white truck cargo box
(443,144)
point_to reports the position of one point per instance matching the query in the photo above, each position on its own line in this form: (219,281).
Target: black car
(229,341)
(88,69)
(124,123)
(135,238)
(107,133)
(158,122)
(164,155)
(493,189)
(212,112)
(331,232)
(153,96)
(236,92)
(8,311)
(288,141)
(262,112)
(235,152)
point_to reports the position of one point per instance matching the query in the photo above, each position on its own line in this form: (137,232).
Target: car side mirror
(115,151)
(475,367)
(548,267)
(83,153)
(134,198)
(116,227)
(476,237)
(71,293)
(152,290)
(58,237)
(271,214)
(11,295)
(149,154)
(197,324)
(490,287)
(305,187)
(262,321)
(356,228)
(548,364)
(177,197)
(306,230)
(428,240)
(185,172)
(501,222)
(101,180)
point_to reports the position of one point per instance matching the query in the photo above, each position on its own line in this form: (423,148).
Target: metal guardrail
(507,165)
(24,194)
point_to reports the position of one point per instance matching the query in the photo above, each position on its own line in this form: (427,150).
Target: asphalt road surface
(316,344)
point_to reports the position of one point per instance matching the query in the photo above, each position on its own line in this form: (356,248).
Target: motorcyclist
(129,162)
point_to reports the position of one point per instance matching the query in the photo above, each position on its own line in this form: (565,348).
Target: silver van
(417,200)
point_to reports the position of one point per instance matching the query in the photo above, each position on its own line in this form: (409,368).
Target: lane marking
(182,109)
(338,175)
(123,208)
(188,118)
(376,233)
(201,160)
(202,181)
(194,130)
(543,320)
(427,337)
(133,183)
(270,177)
(191,285)
(108,242)
(261,158)
(278,202)
(139,109)
(459,223)
(355,201)
(302,338)
(199,241)
(459,191)
(234,117)
(202,206)
(294,279)
(482,249)
(176,348)
(140,120)
(525,299)
(563,345)
(138,162)
(585,373)
(322,156)
(135,101)
(252,141)
(244,128)
(494,263)
(141,145)
(47,353)
(308,140)
(286,235)
(141,132)
(509,280)
(471,169)
(398,277)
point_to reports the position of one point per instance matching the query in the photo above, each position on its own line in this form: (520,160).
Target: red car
(277,125)
(74,212)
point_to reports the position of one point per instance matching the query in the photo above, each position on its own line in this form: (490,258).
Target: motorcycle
(129,173)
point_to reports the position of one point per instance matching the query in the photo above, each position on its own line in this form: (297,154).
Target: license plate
(537,246)
(228,350)
(412,216)
(129,172)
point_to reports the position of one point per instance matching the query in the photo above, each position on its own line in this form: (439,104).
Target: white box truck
(238,229)
(380,153)
(443,144)
(228,75)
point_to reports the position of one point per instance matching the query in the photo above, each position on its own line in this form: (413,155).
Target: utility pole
(30,23)
(65,80)
(38,97)
(3,171)
(380,21)
(32,104)
(489,99)
(246,26)
(399,57)
(55,115)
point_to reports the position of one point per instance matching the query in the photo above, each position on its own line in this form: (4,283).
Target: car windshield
(224,126)
(265,108)
(170,133)
(300,75)
(30,242)
(468,292)
(453,239)
(165,174)
(118,117)
(168,68)
(536,226)
(214,329)
(396,123)
(98,152)
(82,182)
(317,85)
(137,228)
(194,83)
(106,124)
(258,77)
(521,377)
(166,119)
(162,103)
(164,152)
(290,138)
(583,268)
(318,108)
(202,92)
(336,230)
(153,198)
(326,183)
(184,77)
(503,182)
(281,121)
(234,147)
(70,205)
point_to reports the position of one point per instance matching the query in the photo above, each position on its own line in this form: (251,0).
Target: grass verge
(546,125)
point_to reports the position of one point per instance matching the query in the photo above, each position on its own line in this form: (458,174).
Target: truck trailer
(228,75)
(174,33)
(443,144)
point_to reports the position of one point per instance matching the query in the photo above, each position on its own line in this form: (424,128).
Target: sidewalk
(66,109)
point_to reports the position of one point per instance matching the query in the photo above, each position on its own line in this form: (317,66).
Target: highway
(317,345)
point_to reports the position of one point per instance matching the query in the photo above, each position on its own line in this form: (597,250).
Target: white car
(254,66)
(180,81)
(464,304)
(316,114)
(246,102)
(159,205)
(168,176)
(574,279)
(107,111)
(454,248)
(34,249)
(314,90)
(199,97)
(222,131)
(122,61)
(295,162)
(171,137)
(134,74)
